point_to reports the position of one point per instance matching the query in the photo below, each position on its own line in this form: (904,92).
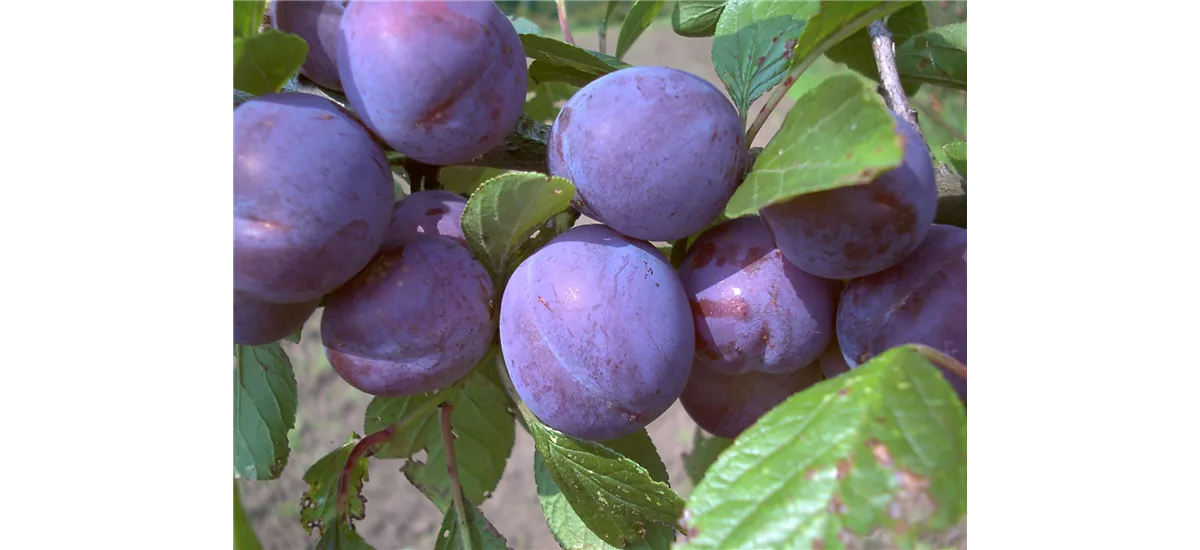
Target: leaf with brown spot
(937,56)
(856,51)
(820,467)
(752,44)
(318,504)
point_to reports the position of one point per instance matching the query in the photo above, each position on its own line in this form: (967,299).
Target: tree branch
(452,468)
(952,191)
(562,22)
(889,76)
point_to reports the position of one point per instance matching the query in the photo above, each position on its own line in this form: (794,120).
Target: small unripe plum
(317,23)
(596,333)
(256,323)
(440,82)
(725,405)
(416,319)
(921,300)
(858,230)
(433,212)
(754,311)
(312,197)
(655,153)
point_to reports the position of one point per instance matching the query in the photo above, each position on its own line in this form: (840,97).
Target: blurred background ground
(398,516)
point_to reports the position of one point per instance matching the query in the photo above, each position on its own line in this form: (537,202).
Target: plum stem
(941,359)
(889,76)
(421,176)
(452,468)
(364,447)
(370,444)
(562,22)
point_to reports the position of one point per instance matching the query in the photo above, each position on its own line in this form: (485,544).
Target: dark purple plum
(434,212)
(419,317)
(317,23)
(596,333)
(753,310)
(440,82)
(725,405)
(921,300)
(256,323)
(832,362)
(655,153)
(312,197)
(854,231)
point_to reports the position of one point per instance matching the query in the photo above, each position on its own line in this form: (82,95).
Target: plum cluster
(600,332)
(601,335)
(407,306)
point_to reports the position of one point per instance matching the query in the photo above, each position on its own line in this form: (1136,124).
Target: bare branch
(889,76)
(952,191)
(562,22)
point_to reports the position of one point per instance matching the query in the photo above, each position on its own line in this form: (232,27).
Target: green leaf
(613,495)
(878,451)
(294,337)
(640,15)
(569,530)
(957,153)
(937,56)
(502,214)
(464,180)
(264,409)
(753,44)
(856,51)
(342,538)
(556,61)
(705,451)
(542,72)
(318,505)
(243,532)
(837,21)
(525,26)
(696,19)
(942,114)
(547,96)
(840,133)
(484,535)
(263,63)
(424,430)
(608,11)
(486,435)
(247,17)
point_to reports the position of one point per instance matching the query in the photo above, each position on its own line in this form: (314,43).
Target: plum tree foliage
(393,167)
